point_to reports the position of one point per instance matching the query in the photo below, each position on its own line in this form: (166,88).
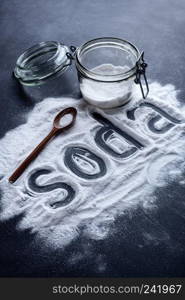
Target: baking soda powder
(109,162)
(107,94)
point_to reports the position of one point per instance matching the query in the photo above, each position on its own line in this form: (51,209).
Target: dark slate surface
(154,26)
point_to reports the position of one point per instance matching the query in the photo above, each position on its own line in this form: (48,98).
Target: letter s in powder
(67,192)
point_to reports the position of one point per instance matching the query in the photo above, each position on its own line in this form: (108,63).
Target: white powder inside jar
(107,94)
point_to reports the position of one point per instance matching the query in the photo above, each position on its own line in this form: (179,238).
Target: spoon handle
(32,156)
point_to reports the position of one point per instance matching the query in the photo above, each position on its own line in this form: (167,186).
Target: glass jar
(107,68)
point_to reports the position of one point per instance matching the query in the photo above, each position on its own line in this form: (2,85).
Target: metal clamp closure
(140,71)
(70,55)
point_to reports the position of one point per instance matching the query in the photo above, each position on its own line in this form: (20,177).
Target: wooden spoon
(57,128)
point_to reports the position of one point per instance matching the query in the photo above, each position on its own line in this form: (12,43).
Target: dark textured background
(157,27)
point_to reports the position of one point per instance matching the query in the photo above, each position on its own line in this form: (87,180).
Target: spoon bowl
(68,111)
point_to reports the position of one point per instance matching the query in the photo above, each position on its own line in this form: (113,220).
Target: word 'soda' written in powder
(110,161)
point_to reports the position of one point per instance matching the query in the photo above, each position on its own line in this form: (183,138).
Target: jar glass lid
(42,61)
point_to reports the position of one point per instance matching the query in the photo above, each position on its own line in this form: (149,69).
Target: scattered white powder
(128,182)
(107,94)
(171,167)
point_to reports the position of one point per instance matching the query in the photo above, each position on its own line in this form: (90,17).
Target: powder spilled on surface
(125,183)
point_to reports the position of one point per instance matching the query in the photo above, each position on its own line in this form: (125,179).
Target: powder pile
(127,182)
(107,94)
